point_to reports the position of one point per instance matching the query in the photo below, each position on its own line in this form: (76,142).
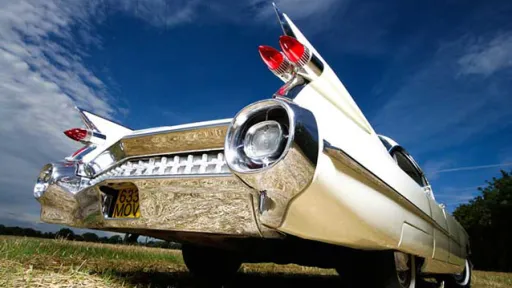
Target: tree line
(68,234)
(488,220)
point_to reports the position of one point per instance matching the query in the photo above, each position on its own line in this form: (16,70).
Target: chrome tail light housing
(284,164)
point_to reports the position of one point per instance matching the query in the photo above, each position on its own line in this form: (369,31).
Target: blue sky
(433,75)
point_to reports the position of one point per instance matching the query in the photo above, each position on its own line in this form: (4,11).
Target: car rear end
(181,182)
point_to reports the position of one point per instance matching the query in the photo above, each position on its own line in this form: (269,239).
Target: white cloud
(488,57)
(42,76)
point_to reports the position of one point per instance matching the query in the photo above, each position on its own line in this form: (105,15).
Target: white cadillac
(301,177)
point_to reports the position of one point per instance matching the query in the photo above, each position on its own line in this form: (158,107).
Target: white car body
(357,195)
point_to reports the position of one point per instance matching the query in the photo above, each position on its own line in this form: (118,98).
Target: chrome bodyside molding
(339,155)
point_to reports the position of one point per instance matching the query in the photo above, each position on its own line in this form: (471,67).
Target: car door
(441,236)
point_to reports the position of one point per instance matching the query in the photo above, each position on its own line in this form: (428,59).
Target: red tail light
(78,134)
(271,56)
(295,51)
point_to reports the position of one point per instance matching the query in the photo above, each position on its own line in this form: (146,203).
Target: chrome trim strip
(218,123)
(339,155)
(88,123)
(98,135)
(287,30)
(180,176)
(176,141)
(309,66)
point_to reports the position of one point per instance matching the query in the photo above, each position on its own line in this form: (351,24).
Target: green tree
(90,237)
(488,220)
(116,239)
(65,233)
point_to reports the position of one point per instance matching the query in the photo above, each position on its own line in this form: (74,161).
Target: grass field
(29,262)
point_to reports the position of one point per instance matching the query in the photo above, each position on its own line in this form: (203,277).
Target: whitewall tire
(462,280)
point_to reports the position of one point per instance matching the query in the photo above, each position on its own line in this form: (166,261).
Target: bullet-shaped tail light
(86,136)
(308,64)
(276,62)
(78,134)
(295,51)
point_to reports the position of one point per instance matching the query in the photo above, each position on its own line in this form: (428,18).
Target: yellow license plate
(127,204)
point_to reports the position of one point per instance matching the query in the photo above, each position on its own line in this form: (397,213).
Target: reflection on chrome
(200,163)
(62,174)
(163,143)
(293,87)
(206,204)
(185,187)
(288,174)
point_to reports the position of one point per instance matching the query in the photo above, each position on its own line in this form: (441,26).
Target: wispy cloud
(437,107)
(297,9)
(467,168)
(157,12)
(163,13)
(429,167)
(488,56)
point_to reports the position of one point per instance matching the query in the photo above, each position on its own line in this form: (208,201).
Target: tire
(210,264)
(462,280)
(380,270)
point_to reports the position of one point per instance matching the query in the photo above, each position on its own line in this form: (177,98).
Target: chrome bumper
(217,204)
(183,180)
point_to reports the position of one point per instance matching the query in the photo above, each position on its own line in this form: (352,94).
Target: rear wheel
(462,280)
(210,264)
(380,270)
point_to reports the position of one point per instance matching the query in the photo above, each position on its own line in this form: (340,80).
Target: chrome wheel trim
(405,269)
(464,277)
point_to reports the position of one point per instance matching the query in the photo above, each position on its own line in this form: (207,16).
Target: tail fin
(290,29)
(337,94)
(101,125)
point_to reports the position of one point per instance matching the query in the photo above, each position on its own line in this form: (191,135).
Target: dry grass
(28,262)
(483,279)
